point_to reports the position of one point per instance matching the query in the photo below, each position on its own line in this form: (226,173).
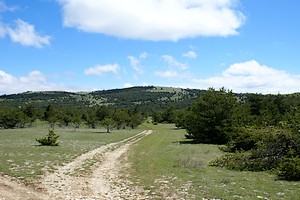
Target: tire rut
(102,182)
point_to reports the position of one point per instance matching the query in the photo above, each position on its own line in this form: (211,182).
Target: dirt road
(94,175)
(14,190)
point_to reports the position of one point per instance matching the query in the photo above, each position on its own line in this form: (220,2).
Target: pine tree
(49,140)
(211,117)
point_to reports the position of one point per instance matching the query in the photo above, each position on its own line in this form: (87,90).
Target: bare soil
(93,175)
(12,189)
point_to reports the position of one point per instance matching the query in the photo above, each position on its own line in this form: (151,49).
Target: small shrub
(188,162)
(273,150)
(49,140)
(290,169)
(235,161)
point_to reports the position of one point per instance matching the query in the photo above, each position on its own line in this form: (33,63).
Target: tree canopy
(210,119)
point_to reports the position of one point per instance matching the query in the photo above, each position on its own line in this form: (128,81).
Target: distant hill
(146,98)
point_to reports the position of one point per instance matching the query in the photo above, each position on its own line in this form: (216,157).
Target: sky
(86,45)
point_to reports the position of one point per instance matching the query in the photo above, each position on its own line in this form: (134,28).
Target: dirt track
(13,190)
(103,181)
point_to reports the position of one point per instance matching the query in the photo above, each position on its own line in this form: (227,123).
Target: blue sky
(85,45)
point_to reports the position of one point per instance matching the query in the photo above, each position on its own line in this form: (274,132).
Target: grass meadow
(22,157)
(165,164)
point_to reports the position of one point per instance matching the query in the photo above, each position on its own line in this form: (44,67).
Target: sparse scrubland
(166,164)
(218,145)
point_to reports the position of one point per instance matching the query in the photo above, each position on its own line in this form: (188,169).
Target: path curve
(101,183)
(68,181)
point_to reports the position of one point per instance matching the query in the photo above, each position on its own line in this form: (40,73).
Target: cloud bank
(251,76)
(34,81)
(154,20)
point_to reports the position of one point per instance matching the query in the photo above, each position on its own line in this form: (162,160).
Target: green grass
(22,157)
(165,167)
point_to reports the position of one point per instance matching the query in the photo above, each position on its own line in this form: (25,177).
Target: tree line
(65,116)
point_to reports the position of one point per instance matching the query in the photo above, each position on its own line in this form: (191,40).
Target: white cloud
(144,55)
(171,74)
(135,64)
(252,76)
(6,79)
(167,74)
(34,76)
(34,81)
(20,31)
(190,54)
(154,20)
(172,62)
(4,7)
(175,69)
(25,34)
(101,69)
(127,85)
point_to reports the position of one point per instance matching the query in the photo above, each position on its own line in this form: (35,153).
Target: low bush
(188,162)
(264,150)
(234,161)
(243,140)
(290,169)
(274,148)
(49,140)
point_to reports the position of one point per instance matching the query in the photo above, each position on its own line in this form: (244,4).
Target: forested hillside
(146,98)
(108,108)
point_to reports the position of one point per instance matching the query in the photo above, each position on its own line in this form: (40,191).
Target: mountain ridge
(146,97)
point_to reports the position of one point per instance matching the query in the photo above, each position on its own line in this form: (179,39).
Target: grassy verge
(165,167)
(21,157)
